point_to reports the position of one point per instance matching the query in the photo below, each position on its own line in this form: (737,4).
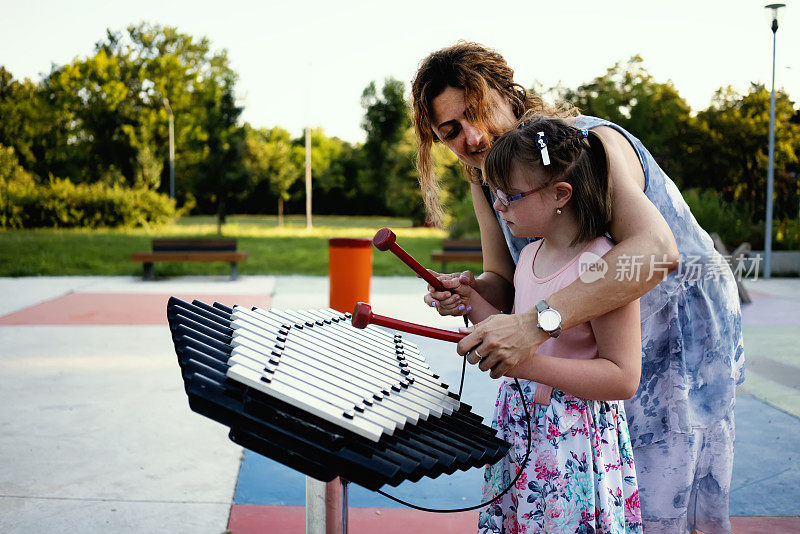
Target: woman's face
(459,135)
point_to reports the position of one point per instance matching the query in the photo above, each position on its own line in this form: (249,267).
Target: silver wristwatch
(549,319)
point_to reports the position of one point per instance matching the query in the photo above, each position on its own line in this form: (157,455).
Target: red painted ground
(114,309)
(765,525)
(257,519)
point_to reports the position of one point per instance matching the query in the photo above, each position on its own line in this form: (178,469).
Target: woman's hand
(454,300)
(502,342)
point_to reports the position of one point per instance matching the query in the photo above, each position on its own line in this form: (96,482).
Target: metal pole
(171,149)
(336,506)
(771,168)
(308,178)
(315,506)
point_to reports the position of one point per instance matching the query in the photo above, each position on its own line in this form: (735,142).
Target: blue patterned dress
(681,418)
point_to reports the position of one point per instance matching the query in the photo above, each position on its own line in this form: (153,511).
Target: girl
(549,180)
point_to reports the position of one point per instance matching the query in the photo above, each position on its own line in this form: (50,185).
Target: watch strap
(541,306)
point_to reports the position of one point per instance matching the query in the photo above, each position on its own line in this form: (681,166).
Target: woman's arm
(496,283)
(641,234)
(614,375)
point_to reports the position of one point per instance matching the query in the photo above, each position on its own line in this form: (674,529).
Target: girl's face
(532,215)
(459,135)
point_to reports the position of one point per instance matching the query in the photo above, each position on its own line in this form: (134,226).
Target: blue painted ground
(765,470)
(765,464)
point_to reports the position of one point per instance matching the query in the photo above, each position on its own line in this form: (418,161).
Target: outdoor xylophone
(311,391)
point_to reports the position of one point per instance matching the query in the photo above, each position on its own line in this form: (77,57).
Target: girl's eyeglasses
(506,200)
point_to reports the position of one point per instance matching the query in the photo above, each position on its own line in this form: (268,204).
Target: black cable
(487,503)
(464,363)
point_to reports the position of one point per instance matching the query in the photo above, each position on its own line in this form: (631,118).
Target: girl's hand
(455,299)
(501,342)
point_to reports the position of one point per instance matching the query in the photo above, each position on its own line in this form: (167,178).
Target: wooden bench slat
(198,256)
(461,244)
(193,244)
(447,256)
(458,250)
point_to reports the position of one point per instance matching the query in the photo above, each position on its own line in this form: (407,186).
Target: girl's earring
(558,211)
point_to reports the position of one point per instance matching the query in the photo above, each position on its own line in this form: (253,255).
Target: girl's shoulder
(529,250)
(600,245)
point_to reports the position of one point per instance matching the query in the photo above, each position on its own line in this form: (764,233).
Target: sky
(307,62)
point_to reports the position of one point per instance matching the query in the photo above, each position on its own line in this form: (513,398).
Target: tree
(733,157)
(653,111)
(220,177)
(25,118)
(109,123)
(272,158)
(387,121)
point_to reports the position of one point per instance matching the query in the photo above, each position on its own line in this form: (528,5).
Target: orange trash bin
(350,272)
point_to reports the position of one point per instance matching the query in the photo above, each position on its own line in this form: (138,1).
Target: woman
(681,418)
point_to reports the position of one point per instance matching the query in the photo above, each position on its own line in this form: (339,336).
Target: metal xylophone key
(357,375)
(203,337)
(425,393)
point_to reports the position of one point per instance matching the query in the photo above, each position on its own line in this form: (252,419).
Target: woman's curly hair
(477,70)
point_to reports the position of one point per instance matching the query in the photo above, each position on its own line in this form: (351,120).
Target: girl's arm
(614,375)
(481,308)
(641,234)
(496,283)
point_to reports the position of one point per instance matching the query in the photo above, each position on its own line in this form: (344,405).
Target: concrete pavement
(96,434)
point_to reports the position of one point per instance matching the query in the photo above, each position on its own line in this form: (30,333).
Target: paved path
(96,434)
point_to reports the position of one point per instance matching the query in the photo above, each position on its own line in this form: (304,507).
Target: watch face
(549,320)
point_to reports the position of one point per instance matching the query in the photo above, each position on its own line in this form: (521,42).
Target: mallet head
(384,239)
(362,315)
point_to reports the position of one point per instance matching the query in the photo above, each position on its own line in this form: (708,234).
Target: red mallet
(385,239)
(362,316)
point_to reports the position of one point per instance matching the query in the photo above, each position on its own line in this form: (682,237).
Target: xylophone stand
(326,506)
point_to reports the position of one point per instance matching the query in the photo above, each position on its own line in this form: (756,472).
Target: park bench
(458,250)
(734,260)
(190,250)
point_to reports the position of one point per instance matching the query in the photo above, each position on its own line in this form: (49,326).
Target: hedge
(26,203)
(62,204)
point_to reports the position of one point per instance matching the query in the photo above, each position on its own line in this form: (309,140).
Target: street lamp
(171,149)
(773,12)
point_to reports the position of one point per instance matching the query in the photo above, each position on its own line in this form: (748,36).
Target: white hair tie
(541,141)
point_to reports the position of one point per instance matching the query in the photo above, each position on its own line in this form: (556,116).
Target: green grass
(290,249)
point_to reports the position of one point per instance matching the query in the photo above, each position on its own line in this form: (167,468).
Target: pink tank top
(577,342)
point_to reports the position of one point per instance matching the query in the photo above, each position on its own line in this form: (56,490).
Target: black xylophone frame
(216,344)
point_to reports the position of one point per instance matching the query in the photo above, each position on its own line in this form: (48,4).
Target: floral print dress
(580,476)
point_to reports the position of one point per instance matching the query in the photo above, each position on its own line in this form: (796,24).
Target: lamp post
(308,179)
(171,149)
(773,14)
